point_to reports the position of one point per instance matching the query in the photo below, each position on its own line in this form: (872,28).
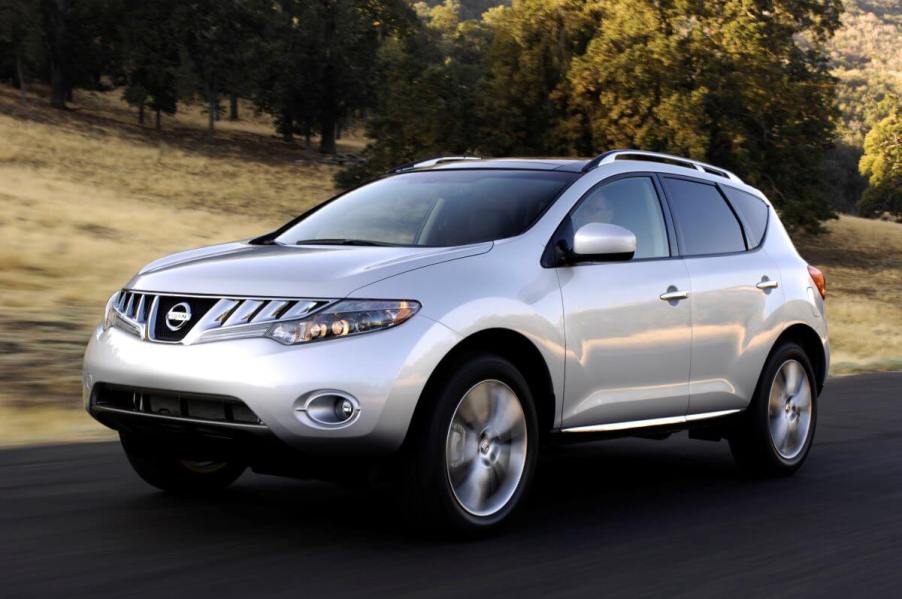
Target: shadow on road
(643,481)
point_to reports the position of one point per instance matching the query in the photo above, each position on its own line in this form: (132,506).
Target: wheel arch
(810,341)
(509,344)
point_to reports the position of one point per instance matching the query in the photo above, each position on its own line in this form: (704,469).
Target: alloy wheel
(789,409)
(485,448)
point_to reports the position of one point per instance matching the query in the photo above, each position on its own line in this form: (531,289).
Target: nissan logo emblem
(178,316)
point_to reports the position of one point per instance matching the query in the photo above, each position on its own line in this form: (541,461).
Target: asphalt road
(619,518)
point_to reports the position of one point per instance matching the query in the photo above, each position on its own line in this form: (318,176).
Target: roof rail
(612,155)
(430,162)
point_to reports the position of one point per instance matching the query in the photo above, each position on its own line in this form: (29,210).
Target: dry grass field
(88,196)
(862,260)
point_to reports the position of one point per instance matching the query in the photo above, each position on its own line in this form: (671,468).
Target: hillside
(867,56)
(87,196)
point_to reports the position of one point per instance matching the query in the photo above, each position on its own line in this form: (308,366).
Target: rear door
(735,291)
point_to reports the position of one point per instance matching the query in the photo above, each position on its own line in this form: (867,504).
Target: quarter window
(633,204)
(704,221)
(752,211)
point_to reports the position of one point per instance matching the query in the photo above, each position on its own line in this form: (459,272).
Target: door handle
(674,295)
(766,283)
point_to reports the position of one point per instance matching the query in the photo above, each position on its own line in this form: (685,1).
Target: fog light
(328,408)
(344,409)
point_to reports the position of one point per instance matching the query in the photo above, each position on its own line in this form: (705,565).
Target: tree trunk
(157,122)
(328,116)
(233,107)
(20,75)
(327,133)
(286,125)
(211,113)
(55,13)
(141,113)
(57,85)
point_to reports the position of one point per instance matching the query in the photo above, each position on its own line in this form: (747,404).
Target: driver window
(630,203)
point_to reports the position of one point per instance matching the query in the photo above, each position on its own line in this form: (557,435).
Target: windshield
(433,208)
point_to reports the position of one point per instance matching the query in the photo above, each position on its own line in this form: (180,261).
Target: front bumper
(384,371)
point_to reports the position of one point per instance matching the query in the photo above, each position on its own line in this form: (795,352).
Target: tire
(773,437)
(473,456)
(175,474)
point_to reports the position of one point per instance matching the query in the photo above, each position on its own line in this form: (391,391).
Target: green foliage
(724,81)
(741,84)
(215,46)
(78,36)
(866,58)
(286,77)
(842,182)
(467,9)
(322,59)
(524,95)
(882,163)
(20,42)
(150,37)
(426,81)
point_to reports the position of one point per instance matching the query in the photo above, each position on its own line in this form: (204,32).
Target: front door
(627,324)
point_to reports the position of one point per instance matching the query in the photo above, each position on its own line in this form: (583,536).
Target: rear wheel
(776,432)
(170,472)
(473,459)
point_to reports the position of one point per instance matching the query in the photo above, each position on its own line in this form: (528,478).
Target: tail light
(819,280)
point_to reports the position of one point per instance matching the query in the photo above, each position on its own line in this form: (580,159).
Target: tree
(20,33)
(216,35)
(523,95)
(738,83)
(744,85)
(78,39)
(286,81)
(325,55)
(56,14)
(150,40)
(882,163)
(426,87)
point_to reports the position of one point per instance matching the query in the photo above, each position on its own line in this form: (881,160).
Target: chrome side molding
(623,426)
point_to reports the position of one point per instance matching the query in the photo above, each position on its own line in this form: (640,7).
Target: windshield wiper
(340,241)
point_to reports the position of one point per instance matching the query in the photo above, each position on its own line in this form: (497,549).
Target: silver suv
(445,323)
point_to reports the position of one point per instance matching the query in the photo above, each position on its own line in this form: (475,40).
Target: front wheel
(775,434)
(474,457)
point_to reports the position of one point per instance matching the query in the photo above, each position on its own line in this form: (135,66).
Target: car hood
(243,269)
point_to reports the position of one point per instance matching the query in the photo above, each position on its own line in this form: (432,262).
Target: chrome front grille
(209,318)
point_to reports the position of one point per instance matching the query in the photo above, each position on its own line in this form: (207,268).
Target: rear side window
(752,211)
(704,221)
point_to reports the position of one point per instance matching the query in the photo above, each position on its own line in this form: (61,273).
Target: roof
(566,164)
(536,164)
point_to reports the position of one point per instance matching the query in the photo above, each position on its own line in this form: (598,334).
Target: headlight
(343,319)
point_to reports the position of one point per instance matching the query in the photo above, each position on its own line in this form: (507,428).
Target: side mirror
(603,242)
